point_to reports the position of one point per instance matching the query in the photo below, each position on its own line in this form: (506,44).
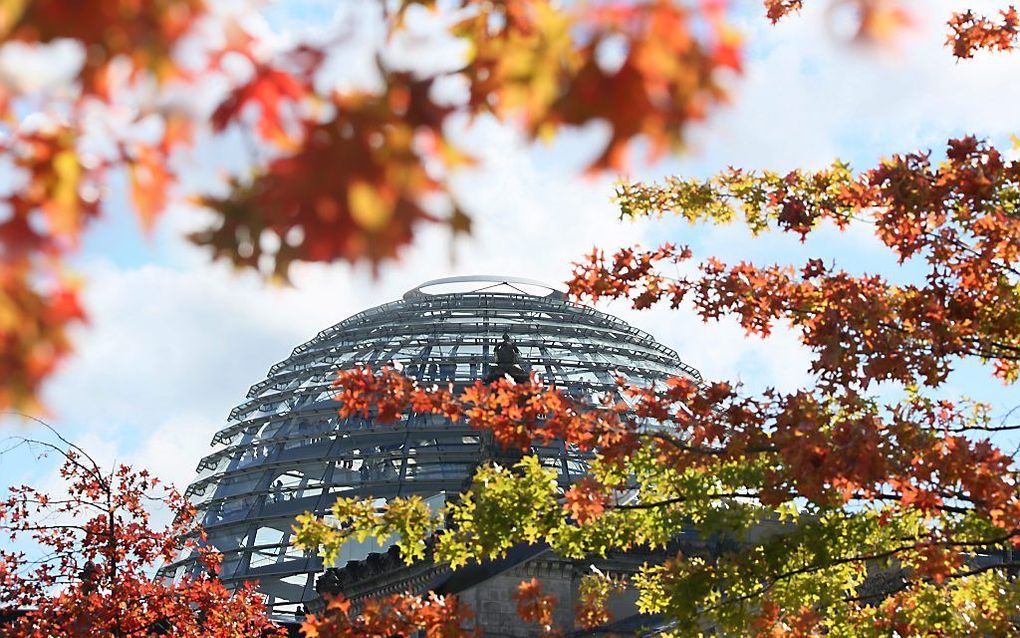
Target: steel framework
(285,451)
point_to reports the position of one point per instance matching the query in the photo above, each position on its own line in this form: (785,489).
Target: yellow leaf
(547,132)
(368,208)
(10,13)
(452,156)
(63,205)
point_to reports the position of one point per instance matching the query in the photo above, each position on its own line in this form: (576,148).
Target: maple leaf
(150,180)
(268,89)
(31,350)
(585,500)
(535,606)
(368,210)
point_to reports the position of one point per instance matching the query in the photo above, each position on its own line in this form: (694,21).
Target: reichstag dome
(284,450)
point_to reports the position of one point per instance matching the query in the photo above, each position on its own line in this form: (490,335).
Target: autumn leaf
(150,180)
(585,500)
(268,89)
(535,606)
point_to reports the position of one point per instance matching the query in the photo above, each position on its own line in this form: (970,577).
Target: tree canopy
(80,561)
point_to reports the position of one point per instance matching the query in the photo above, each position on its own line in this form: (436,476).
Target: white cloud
(164,356)
(807,97)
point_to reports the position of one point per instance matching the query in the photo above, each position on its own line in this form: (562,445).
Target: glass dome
(285,451)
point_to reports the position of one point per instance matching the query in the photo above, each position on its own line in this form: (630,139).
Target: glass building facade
(284,450)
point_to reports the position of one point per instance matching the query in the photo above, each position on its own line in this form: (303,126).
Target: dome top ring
(494,284)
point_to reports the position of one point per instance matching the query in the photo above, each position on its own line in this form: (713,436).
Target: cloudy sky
(174,342)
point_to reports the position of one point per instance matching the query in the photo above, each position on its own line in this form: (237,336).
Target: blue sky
(175,342)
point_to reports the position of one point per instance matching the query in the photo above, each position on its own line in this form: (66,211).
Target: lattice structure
(285,451)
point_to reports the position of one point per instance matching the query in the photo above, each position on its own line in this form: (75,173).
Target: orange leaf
(150,180)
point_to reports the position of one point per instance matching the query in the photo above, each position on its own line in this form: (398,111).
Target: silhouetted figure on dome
(507,355)
(88,575)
